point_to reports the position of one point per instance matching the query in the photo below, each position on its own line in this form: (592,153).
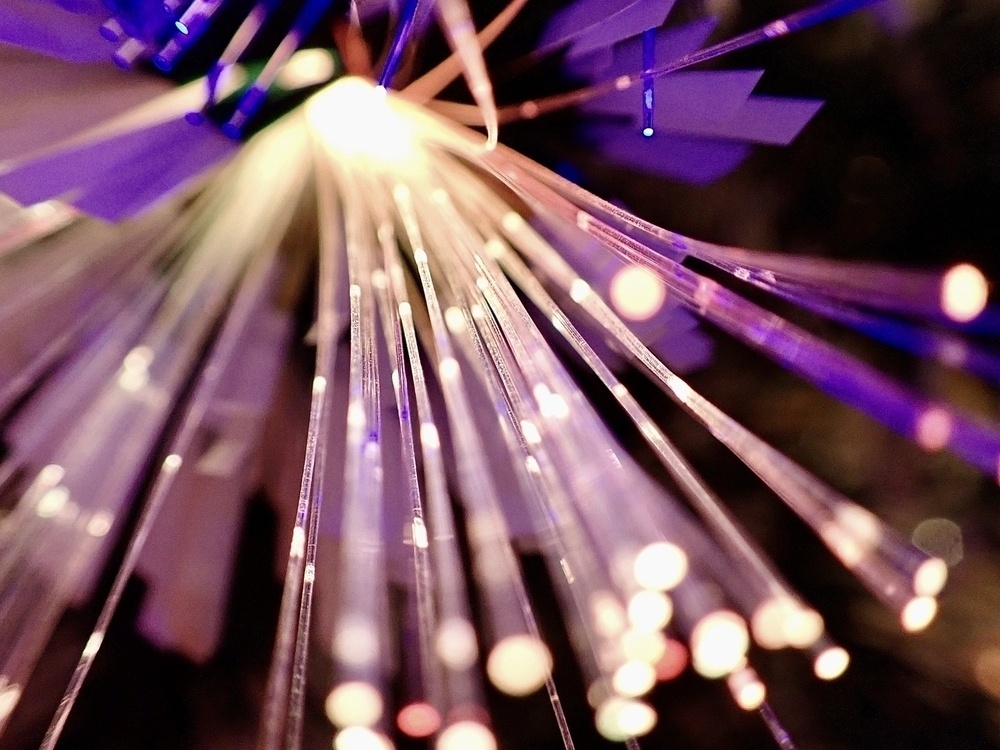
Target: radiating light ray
(429,678)
(496,568)
(853,382)
(449,580)
(755,570)
(804,494)
(919,293)
(250,297)
(360,644)
(136,401)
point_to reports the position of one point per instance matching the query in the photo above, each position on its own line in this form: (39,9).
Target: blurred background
(901,165)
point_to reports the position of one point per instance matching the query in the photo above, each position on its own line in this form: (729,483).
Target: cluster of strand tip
(439,260)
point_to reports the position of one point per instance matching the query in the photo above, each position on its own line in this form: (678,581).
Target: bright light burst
(444,259)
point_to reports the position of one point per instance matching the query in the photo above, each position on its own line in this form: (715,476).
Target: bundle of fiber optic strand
(455,280)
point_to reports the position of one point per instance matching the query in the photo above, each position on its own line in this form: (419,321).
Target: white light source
(357,120)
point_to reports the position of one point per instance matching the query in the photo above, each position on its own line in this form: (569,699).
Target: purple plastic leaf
(118,177)
(630,21)
(695,99)
(626,57)
(590,16)
(47,28)
(693,160)
(761,119)
(57,100)
(671,44)
(372,9)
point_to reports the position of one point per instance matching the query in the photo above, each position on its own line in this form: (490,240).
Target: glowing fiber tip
(360,738)
(519,664)
(719,644)
(466,735)
(637,294)
(918,613)
(964,292)
(354,704)
(618,719)
(747,689)
(831,663)
(930,577)
(418,720)
(660,566)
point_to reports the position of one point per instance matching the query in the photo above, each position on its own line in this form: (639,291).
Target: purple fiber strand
(244,35)
(836,373)
(933,345)
(400,40)
(648,62)
(255,96)
(781,736)
(196,19)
